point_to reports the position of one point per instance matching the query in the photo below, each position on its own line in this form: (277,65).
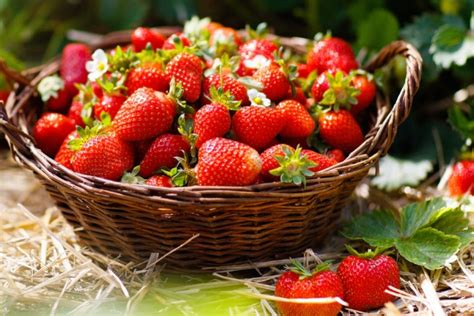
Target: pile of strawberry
(208,106)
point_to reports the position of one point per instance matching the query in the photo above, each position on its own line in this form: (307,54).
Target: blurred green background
(32,32)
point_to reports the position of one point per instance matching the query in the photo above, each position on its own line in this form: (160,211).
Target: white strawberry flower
(257,62)
(98,66)
(258,98)
(49,86)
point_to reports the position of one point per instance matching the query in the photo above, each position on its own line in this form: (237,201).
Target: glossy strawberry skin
(73,66)
(104,156)
(65,155)
(141,36)
(109,103)
(225,162)
(169,43)
(159,181)
(75,113)
(320,85)
(269,162)
(147,75)
(162,153)
(462,178)
(331,54)
(50,131)
(303,71)
(145,114)
(256,47)
(367,90)
(319,285)
(274,81)
(60,102)
(257,126)
(339,129)
(211,120)
(298,122)
(299,96)
(322,161)
(336,154)
(365,281)
(187,69)
(235,88)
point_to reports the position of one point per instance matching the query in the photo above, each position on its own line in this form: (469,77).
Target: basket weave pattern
(234,224)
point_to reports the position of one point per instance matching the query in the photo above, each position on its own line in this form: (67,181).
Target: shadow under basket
(235,224)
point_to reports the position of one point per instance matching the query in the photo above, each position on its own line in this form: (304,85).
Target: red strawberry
(331,54)
(211,120)
(298,122)
(275,82)
(269,162)
(162,153)
(300,283)
(303,70)
(4,95)
(109,103)
(225,36)
(366,279)
(367,90)
(257,126)
(339,129)
(141,148)
(149,75)
(53,93)
(50,131)
(299,96)
(170,41)
(159,181)
(256,47)
(462,178)
(145,114)
(73,66)
(187,69)
(322,162)
(75,112)
(227,162)
(104,156)
(141,36)
(65,154)
(59,103)
(227,83)
(336,154)
(334,88)
(213,26)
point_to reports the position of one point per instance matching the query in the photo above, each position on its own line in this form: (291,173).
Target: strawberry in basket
(218,106)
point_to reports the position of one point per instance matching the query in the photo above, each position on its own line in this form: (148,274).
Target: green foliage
(386,26)
(427,234)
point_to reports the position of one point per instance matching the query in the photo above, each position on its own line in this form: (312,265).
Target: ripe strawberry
(256,47)
(211,120)
(298,122)
(367,90)
(104,156)
(225,36)
(339,129)
(303,70)
(170,41)
(73,66)
(162,153)
(365,279)
(257,126)
(159,181)
(275,82)
(331,54)
(300,283)
(322,162)
(462,178)
(336,154)
(149,75)
(75,112)
(227,162)
(4,95)
(50,131)
(109,103)
(299,96)
(145,114)
(227,83)
(65,154)
(53,93)
(187,69)
(141,148)
(141,36)
(59,103)
(269,162)
(334,88)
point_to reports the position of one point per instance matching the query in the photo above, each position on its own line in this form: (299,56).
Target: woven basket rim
(374,145)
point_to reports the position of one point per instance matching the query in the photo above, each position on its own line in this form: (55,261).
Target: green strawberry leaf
(386,25)
(453,221)
(378,229)
(462,122)
(396,173)
(417,215)
(429,248)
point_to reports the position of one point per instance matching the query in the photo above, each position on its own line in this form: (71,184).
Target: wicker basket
(234,224)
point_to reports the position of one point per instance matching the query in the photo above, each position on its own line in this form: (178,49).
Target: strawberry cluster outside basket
(235,224)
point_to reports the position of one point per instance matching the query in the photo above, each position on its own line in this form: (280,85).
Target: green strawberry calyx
(369,254)
(340,92)
(98,128)
(176,93)
(186,128)
(259,32)
(298,268)
(132,177)
(218,95)
(294,167)
(183,174)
